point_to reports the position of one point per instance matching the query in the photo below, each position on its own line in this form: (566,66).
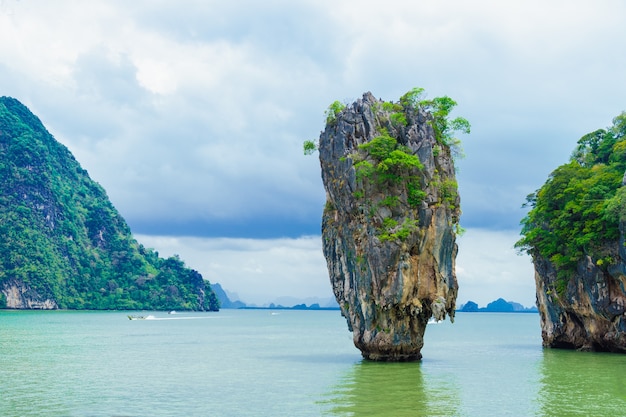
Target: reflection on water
(554,383)
(392,389)
(582,384)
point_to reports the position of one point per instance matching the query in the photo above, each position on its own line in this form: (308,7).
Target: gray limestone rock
(19,295)
(391,261)
(589,315)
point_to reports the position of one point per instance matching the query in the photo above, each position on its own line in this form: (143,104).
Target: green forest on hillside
(62,237)
(578,210)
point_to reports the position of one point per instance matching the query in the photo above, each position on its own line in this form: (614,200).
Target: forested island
(63,243)
(575,234)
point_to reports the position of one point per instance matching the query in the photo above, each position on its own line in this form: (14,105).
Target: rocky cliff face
(388,227)
(589,314)
(18,295)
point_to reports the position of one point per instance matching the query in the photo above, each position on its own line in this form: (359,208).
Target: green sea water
(290,363)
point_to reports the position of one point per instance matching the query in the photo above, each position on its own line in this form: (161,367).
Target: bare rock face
(18,295)
(389,230)
(589,315)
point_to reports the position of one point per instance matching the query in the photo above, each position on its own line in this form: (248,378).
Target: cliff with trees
(64,245)
(574,232)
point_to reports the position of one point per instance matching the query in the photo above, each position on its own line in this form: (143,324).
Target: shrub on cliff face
(333,110)
(386,162)
(440,108)
(578,210)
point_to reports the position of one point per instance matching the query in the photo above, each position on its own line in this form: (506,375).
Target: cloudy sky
(192,114)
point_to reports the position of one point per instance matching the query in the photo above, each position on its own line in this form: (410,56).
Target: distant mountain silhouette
(225,301)
(498,306)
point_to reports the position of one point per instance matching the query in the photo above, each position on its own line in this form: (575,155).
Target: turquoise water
(290,363)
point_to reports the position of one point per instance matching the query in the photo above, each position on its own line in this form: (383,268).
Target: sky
(191,114)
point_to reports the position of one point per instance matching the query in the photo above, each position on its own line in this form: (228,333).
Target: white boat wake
(151,317)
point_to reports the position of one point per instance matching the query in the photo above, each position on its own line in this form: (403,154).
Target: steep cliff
(575,235)
(63,244)
(390,219)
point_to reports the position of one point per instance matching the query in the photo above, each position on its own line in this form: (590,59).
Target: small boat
(148,317)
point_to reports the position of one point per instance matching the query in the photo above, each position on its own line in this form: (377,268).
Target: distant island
(286,303)
(272,306)
(498,306)
(223,298)
(282,303)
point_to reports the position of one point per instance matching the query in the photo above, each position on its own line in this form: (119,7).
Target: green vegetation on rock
(393,164)
(577,212)
(309,147)
(333,110)
(439,107)
(63,240)
(383,163)
(390,166)
(395,167)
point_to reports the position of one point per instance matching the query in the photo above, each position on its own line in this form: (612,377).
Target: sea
(290,363)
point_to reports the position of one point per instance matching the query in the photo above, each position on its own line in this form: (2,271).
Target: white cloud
(259,271)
